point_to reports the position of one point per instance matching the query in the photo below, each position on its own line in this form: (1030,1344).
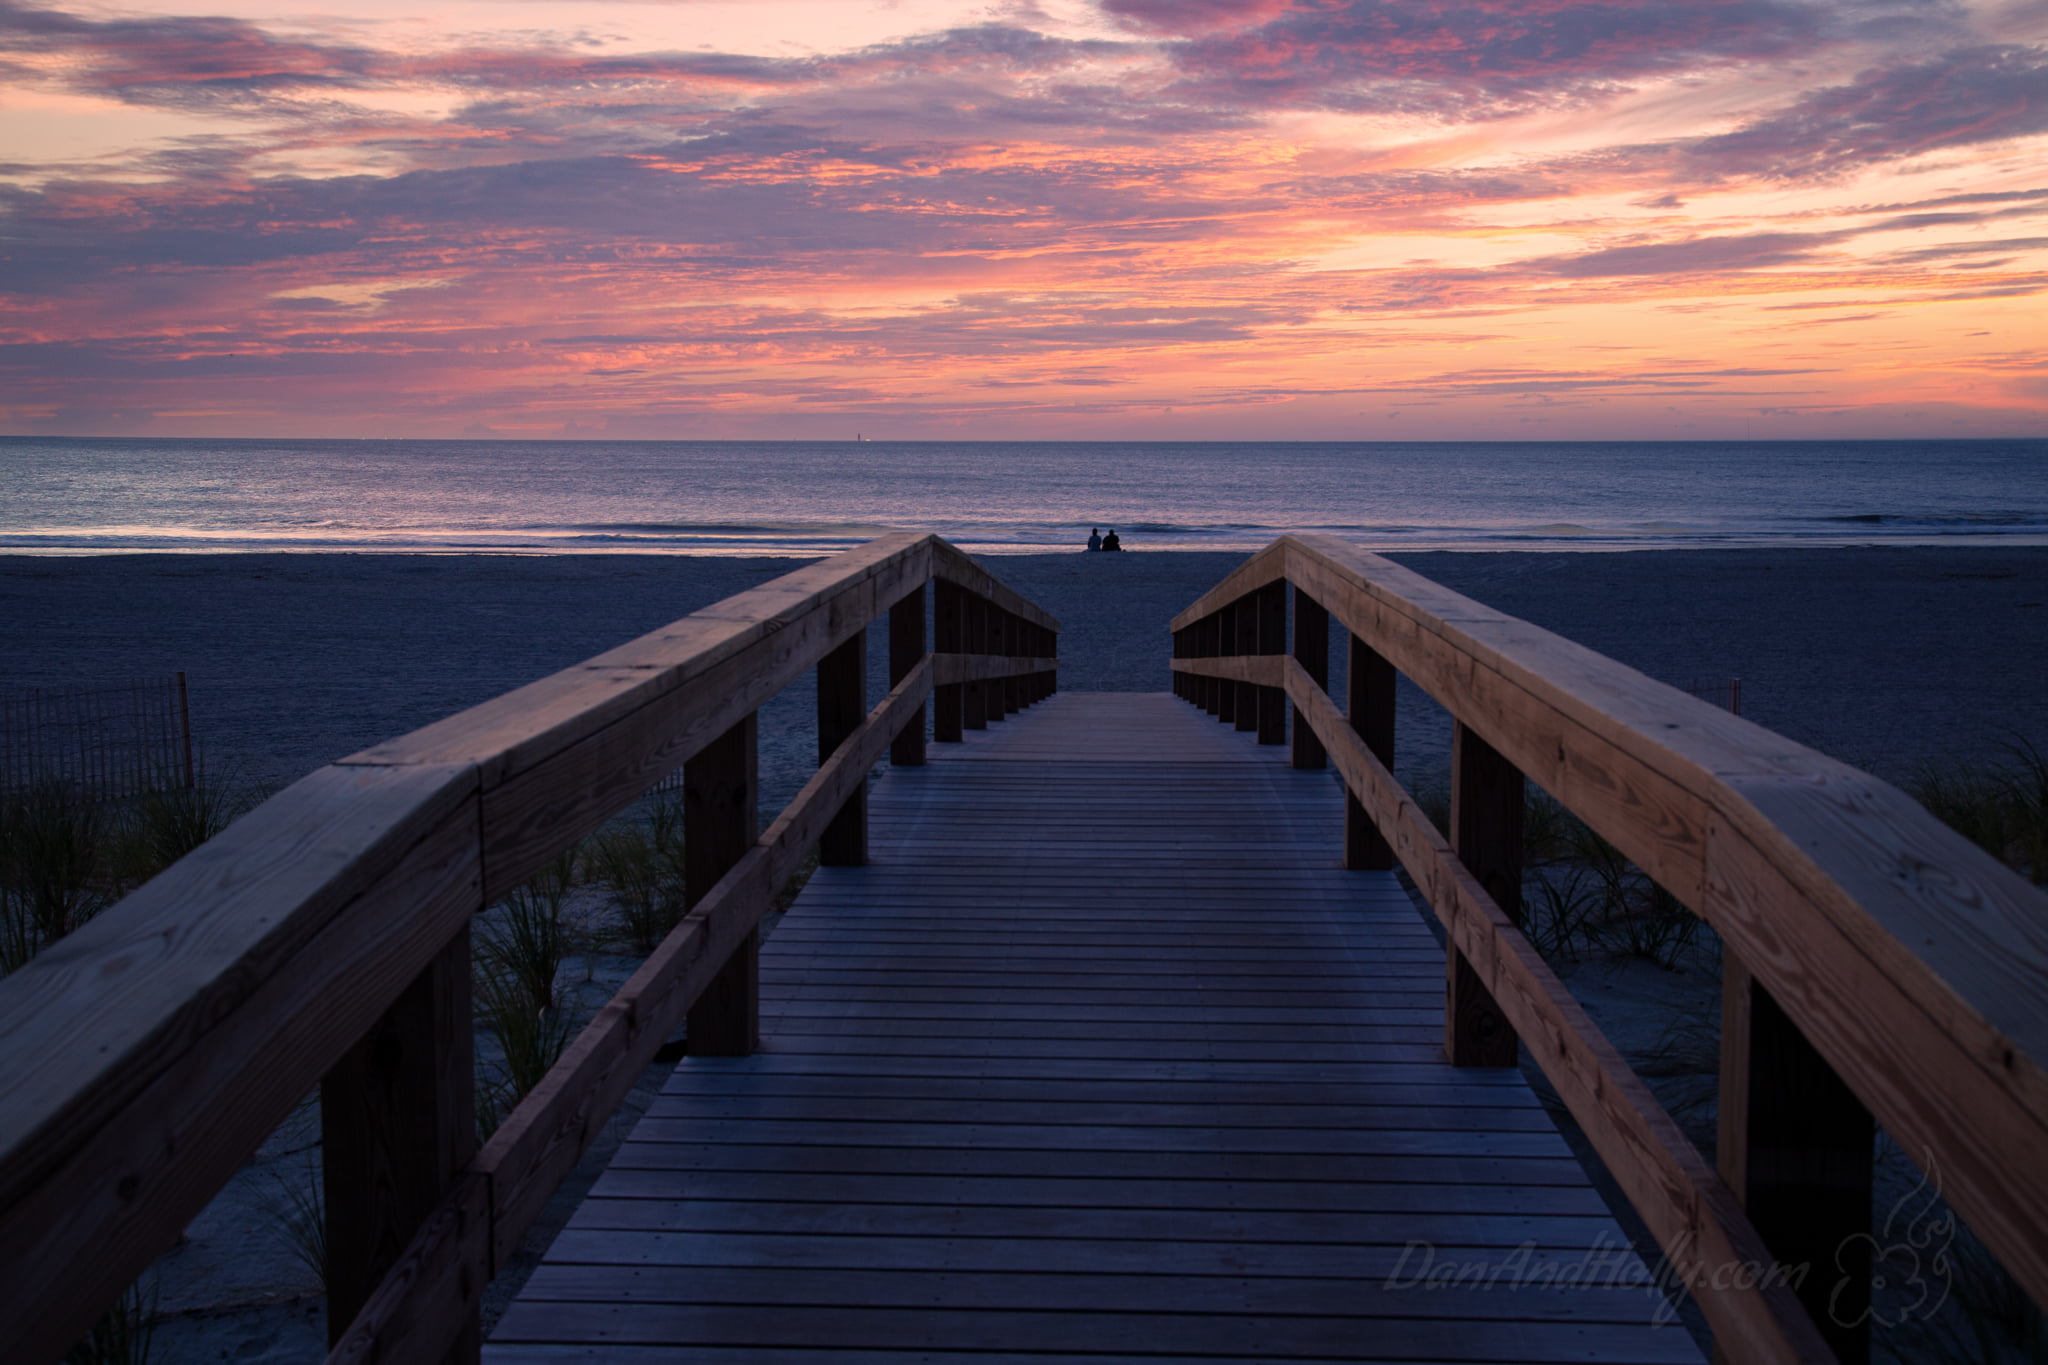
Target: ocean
(90,495)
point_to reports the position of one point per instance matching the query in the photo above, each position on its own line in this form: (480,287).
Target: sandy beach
(1888,658)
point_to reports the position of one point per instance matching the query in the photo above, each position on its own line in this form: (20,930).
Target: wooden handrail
(152,1050)
(1915,964)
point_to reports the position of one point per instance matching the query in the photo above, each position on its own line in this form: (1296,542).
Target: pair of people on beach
(1098,541)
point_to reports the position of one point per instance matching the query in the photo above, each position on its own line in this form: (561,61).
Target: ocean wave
(1966,520)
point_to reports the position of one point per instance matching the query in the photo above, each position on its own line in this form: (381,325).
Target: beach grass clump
(520,952)
(122,1334)
(166,824)
(66,855)
(641,865)
(2000,805)
(296,1207)
(55,844)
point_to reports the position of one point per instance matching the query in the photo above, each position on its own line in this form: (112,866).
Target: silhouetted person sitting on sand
(1110,542)
(1094,538)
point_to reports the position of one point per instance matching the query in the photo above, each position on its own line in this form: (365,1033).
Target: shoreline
(1887,658)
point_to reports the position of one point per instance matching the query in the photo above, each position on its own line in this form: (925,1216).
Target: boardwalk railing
(1877,966)
(324,940)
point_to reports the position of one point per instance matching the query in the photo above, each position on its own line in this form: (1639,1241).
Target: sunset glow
(1242,219)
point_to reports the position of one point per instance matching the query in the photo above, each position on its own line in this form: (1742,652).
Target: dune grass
(2001,805)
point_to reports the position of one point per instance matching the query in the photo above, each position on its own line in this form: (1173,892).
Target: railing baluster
(398,1124)
(1312,651)
(1226,646)
(1486,834)
(1797,1147)
(721,820)
(1244,706)
(842,705)
(1272,639)
(949,636)
(906,647)
(976,696)
(1370,704)
(1000,703)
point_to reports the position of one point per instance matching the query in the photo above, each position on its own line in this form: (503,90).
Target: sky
(1043,219)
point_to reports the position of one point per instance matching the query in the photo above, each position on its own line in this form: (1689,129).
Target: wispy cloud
(1198,205)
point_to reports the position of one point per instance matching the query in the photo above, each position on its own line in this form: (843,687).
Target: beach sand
(1887,658)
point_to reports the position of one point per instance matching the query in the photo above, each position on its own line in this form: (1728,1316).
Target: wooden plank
(397,1128)
(428,1301)
(1695,1218)
(842,705)
(153,1049)
(1263,1337)
(1272,640)
(952,565)
(949,635)
(1073,1292)
(1312,650)
(1116,1102)
(1800,1151)
(721,812)
(906,648)
(1486,835)
(541,1140)
(959,668)
(1817,875)
(1369,679)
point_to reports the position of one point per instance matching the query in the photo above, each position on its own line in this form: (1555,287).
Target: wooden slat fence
(1879,968)
(324,940)
(105,741)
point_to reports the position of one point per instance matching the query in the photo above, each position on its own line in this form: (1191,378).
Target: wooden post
(1206,631)
(1797,1147)
(976,694)
(949,604)
(1245,708)
(1370,705)
(1312,652)
(721,820)
(1273,640)
(1000,703)
(1486,832)
(398,1124)
(842,706)
(906,647)
(1226,645)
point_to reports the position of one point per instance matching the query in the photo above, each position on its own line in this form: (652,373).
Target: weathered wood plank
(1694,1216)
(1084,1088)
(152,1050)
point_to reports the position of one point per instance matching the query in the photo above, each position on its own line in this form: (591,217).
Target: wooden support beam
(1312,650)
(906,647)
(1370,683)
(1244,707)
(398,1125)
(1486,833)
(974,711)
(842,705)
(720,821)
(1272,701)
(949,636)
(1001,705)
(1798,1148)
(1226,648)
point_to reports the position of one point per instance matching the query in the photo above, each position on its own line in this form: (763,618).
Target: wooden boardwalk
(1103,1057)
